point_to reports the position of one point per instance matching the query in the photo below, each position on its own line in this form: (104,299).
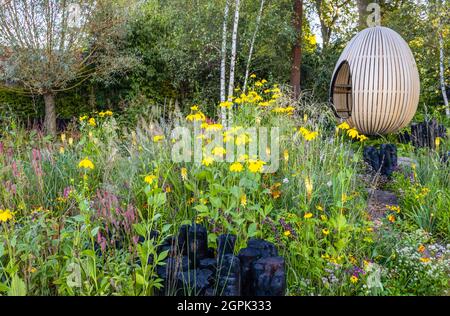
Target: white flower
(285,180)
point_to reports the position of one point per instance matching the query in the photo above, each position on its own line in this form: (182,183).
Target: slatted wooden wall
(376,84)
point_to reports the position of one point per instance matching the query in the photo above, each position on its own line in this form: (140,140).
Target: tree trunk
(233,59)
(441,70)
(363,14)
(297,50)
(223,63)
(50,114)
(252,44)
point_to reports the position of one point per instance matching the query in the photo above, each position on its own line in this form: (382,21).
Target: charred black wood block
(424,134)
(372,157)
(383,160)
(269,278)
(388,157)
(208,263)
(229,276)
(197,243)
(225,244)
(183,238)
(194,282)
(170,271)
(256,249)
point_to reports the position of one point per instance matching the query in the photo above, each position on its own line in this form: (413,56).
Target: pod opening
(341,91)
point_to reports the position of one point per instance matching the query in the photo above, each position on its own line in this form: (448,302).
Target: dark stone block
(266,249)
(269,277)
(194,282)
(229,276)
(225,244)
(197,243)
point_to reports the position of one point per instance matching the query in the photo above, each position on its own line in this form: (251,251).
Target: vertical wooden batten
(375,85)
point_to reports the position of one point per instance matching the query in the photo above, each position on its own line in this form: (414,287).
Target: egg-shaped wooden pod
(375,84)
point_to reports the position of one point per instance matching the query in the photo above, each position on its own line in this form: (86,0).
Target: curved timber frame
(375,85)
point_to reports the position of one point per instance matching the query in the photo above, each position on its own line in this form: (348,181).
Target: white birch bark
(233,59)
(223,63)
(252,45)
(442,72)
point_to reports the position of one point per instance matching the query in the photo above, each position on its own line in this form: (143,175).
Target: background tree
(297,49)
(55,45)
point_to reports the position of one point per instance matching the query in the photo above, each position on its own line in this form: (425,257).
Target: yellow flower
(108,113)
(263,81)
(168,189)
(236,167)
(391,218)
(158,138)
(353,279)
(325,231)
(255,166)
(252,76)
(149,178)
(70,141)
(287,233)
(425,259)
(92,121)
(421,248)
(319,207)
(243,157)
(362,138)
(63,137)
(199,116)
(394,208)
(323,217)
(243,200)
(286,155)
(82,118)
(101,114)
(308,215)
(86,164)
(311,136)
(437,142)
(218,151)
(226,104)
(213,127)
(194,108)
(353,133)
(61,150)
(309,187)
(242,139)
(207,161)
(5,215)
(184,174)
(344,126)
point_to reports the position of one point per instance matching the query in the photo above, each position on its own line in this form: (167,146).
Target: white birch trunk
(233,60)
(252,44)
(223,63)
(442,72)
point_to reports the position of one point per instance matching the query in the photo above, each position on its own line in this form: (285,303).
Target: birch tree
(442,61)
(233,59)
(252,44)
(223,63)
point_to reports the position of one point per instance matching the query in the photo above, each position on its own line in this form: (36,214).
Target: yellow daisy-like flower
(92,121)
(353,133)
(252,76)
(226,104)
(108,113)
(325,231)
(255,166)
(63,137)
(425,259)
(308,215)
(287,233)
(86,164)
(421,248)
(184,174)
(70,141)
(344,126)
(149,178)
(82,118)
(158,138)
(362,138)
(194,108)
(324,218)
(353,279)
(236,167)
(5,215)
(207,161)
(319,207)
(391,218)
(311,136)
(242,139)
(243,157)
(437,142)
(219,151)
(286,155)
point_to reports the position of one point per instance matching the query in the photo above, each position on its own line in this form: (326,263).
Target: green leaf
(18,287)
(139,279)
(94,231)
(216,202)
(201,208)
(251,230)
